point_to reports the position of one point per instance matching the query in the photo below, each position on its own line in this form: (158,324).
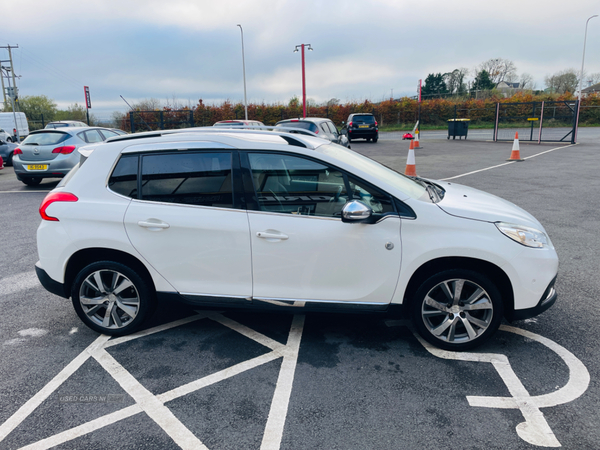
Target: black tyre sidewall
(146,294)
(478,278)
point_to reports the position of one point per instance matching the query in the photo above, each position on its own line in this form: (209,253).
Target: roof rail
(284,132)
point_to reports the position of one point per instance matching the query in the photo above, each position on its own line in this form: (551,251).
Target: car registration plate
(37,167)
(363,126)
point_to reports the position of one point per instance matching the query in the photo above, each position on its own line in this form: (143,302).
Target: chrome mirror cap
(356,211)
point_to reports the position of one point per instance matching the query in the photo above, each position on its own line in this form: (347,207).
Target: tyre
(111,298)
(31,181)
(375,140)
(8,161)
(457,309)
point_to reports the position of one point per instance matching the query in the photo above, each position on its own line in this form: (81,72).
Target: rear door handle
(153,224)
(270,235)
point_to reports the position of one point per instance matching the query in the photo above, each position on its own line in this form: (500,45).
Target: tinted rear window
(363,119)
(46,138)
(304,125)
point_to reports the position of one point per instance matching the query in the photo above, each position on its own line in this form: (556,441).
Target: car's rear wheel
(375,140)
(457,309)
(111,298)
(8,161)
(29,181)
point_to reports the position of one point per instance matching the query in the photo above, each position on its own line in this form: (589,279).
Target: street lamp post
(581,76)
(244,72)
(12,100)
(303,76)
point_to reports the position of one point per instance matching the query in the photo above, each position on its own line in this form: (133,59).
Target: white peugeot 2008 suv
(251,219)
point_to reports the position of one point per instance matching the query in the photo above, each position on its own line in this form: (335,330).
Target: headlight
(530,237)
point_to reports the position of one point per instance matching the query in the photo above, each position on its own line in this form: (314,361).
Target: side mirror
(356,212)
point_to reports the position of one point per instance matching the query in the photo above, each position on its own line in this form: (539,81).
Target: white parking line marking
(505,164)
(154,406)
(81,430)
(24,411)
(535,430)
(19,282)
(22,192)
(283,390)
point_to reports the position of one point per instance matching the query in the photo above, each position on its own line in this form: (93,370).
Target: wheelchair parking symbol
(534,430)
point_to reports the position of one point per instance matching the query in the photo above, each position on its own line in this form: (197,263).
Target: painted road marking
(154,405)
(506,163)
(535,430)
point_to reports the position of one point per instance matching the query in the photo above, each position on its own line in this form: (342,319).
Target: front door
(301,249)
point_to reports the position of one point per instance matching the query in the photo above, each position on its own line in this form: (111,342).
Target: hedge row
(404,111)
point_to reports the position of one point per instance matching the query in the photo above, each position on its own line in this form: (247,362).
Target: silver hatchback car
(51,153)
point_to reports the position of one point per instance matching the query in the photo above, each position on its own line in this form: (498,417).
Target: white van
(7,123)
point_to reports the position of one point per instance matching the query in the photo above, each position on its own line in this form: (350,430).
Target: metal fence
(551,121)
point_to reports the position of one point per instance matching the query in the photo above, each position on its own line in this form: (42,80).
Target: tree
(499,70)
(526,82)
(482,82)
(36,106)
(455,80)
(73,112)
(563,81)
(434,85)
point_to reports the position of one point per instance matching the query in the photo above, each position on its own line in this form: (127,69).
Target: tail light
(350,123)
(64,150)
(18,151)
(55,197)
(375,123)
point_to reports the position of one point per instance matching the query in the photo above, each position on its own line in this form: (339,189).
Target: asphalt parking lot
(239,380)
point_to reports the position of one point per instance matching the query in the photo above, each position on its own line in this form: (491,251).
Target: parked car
(50,153)
(324,128)
(6,151)
(239,123)
(5,136)
(66,123)
(259,219)
(361,126)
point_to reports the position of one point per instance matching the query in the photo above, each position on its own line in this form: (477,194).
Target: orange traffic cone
(516,153)
(411,168)
(416,139)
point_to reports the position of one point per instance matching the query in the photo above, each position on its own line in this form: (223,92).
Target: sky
(180,51)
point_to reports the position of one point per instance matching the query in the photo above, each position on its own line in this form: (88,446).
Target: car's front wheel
(111,298)
(457,309)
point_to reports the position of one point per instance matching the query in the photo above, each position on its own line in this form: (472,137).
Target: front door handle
(153,224)
(271,235)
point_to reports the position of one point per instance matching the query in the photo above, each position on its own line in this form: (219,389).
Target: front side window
(294,185)
(202,179)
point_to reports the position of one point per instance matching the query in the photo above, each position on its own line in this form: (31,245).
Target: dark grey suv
(324,128)
(361,126)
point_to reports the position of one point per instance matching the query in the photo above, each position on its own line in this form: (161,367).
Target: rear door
(188,222)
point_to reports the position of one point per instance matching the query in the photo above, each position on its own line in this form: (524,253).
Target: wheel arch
(87,256)
(492,271)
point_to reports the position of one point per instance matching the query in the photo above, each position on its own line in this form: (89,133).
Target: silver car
(51,153)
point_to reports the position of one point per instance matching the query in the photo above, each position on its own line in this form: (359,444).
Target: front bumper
(548,299)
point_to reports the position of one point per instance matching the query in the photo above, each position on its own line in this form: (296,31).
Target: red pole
(303,86)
